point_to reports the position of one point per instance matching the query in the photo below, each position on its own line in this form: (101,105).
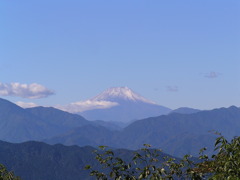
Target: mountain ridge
(170,132)
(165,131)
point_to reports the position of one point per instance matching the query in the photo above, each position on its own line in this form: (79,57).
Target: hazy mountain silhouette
(86,135)
(185,110)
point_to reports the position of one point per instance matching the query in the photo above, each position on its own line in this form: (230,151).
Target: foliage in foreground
(6,175)
(148,164)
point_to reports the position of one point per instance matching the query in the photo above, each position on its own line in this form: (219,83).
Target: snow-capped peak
(123,93)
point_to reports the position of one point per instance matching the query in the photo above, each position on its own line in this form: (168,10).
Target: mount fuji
(128,106)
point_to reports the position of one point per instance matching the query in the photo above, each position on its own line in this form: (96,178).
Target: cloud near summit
(30,91)
(86,105)
(26,104)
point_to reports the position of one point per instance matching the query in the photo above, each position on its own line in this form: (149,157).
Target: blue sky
(176,53)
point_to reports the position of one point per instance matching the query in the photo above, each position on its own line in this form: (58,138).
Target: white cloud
(172,88)
(86,105)
(212,74)
(31,91)
(26,104)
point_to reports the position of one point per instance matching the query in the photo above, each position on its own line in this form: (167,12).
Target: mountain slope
(61,121)
(131,106)
(38,161)
(17,125)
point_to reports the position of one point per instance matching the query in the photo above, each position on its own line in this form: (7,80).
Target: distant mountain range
(130,106)
(175,133)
